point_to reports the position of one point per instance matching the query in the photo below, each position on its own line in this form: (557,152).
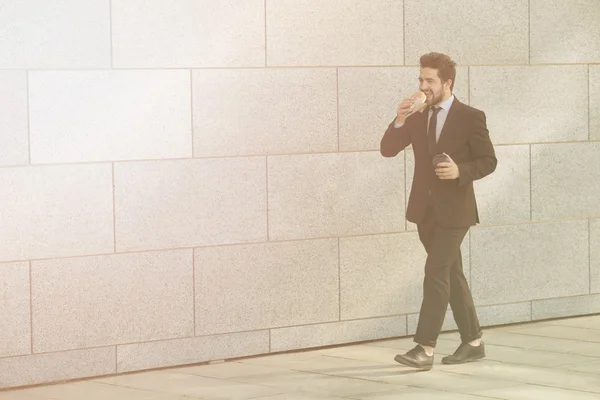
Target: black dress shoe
(465,353)
(416,358)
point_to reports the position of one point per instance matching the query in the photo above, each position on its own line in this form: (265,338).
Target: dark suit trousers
(444,283)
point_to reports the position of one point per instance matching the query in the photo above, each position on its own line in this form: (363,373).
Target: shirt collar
(446,104)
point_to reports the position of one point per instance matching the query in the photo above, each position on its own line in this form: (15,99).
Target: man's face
(431,84)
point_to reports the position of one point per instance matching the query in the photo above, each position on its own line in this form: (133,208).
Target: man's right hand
(404,109)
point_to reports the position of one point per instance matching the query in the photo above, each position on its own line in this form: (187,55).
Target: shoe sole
(466,360)
(406,362)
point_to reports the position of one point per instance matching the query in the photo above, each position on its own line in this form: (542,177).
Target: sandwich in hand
(419,103)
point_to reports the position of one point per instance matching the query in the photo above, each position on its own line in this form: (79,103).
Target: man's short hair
(444,64)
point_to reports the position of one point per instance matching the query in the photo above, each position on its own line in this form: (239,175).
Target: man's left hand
(447,170)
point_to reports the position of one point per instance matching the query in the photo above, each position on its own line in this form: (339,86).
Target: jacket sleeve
(395,139)
(483,157)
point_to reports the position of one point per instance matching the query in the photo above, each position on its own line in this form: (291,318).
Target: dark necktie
(431,135)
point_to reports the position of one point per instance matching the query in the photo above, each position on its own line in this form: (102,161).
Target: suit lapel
(424,120)
(449,125)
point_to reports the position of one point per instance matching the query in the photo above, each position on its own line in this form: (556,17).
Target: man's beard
(435,99)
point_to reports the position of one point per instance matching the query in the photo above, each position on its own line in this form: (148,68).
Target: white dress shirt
(441,116)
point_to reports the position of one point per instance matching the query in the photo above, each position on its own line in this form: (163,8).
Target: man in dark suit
(442,203)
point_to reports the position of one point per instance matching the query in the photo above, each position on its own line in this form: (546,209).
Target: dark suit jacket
(465,138)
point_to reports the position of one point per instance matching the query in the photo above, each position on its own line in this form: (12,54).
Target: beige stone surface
(594,101)
(341,194)
(567,306)
(520,109)
(167,353)
(335,32)
(15,329)
(250,287)
(13,118)
(317,335)
(564,32)
(55,367)
(188,33)
(564,182)
(187,203)
(264,111)
(56,211)
(83,116)
(595,255)
(515,263)
(68,34)
(381,275)
(469,31)
(105,300)
(504,196)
